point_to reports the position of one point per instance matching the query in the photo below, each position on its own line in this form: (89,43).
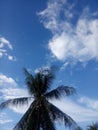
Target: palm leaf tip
(67,90)
(3,105)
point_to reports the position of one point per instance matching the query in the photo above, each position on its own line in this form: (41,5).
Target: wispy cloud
(78,111)
(4,46)
(90,103)
(71,42)
(4,119)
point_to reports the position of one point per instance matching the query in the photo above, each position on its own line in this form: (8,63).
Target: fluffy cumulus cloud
(4,46)
(74,35)
(6,81)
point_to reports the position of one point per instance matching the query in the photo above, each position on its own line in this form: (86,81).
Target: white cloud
(4,121)
(50,17)
(6,82)
(2,52)
(10,93)
(4,46)
(5,42)
(71,43)
(11,58)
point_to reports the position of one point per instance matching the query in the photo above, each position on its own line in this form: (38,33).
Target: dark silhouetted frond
(59,91)
(30,82)
(16,101)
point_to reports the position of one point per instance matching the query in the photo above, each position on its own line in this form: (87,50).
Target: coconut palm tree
(41,114)
(93,126)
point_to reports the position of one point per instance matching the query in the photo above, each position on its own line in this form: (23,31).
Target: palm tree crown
(41,112)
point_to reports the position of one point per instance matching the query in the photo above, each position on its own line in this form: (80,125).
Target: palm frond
(58,115)
(59,91)
(16,101)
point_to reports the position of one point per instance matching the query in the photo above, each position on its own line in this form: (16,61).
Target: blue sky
(50,32)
